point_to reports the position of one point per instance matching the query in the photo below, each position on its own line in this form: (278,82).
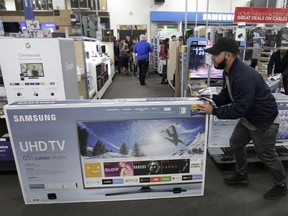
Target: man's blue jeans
(264,143)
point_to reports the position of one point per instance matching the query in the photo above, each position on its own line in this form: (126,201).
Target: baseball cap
(224,44)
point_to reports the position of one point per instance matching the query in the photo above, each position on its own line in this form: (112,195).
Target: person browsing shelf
(279,61)
(164,59)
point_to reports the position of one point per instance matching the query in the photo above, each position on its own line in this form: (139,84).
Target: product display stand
(97,67)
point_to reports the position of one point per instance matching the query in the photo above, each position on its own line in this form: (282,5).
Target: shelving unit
(97,67)
(100,77)
(155,42)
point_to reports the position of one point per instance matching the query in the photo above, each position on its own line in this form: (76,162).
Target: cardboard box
(105,150)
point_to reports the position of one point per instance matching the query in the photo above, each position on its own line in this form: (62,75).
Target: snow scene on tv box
(173,138)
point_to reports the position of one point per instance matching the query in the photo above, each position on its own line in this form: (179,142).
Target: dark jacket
(251,95)
(280,65)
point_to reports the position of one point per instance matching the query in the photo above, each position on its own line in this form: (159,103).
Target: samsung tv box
(104,150)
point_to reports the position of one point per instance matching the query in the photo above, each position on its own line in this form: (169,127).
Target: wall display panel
(79,151)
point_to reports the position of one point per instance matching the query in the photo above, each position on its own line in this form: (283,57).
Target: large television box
(220,131)
(103,150)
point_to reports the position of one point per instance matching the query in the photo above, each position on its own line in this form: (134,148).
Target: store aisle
(218,199)
(129,87)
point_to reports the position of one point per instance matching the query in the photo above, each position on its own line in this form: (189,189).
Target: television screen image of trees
(142,138)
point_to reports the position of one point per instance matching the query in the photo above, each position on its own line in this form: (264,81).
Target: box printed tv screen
(283,127)
(31,70)
(141,152)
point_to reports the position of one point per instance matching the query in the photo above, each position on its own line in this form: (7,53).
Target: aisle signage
(217,17)
(261,15)
(167,16)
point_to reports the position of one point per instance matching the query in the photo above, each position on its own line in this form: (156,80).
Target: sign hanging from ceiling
(261,15)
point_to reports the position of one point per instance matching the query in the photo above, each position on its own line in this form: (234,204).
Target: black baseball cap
(224,44)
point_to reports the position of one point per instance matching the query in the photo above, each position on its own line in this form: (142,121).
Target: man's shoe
(238,178)
(276,192)
(143,84)
(164,82)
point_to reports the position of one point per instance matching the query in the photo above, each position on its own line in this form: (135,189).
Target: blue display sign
(157,16)
(28,9)
(49,25)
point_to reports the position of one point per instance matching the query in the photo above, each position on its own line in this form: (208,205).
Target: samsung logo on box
(34,118)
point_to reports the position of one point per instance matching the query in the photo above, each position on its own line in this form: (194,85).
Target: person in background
(134,41)
(279,61)
(123,57)
(164,58)
(141,56)
(116,53)
(173,38)
(130,53)
(246,96)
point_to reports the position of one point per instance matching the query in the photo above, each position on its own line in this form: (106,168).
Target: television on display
(259,36)
(31,70)
(11,27)
(198,68)
(141,152)
(23,26)
(49,25)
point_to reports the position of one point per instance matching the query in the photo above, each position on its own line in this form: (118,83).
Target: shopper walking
(247,97)
(130,51)
(116,54)
(142,51)
(123,57)
(134,65)
(164,60)
(279,61)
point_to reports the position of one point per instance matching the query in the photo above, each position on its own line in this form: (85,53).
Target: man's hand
(205,107)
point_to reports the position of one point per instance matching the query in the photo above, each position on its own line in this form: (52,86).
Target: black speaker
(159,1)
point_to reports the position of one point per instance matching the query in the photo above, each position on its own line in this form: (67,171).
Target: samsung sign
(219,17)
(156,16)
